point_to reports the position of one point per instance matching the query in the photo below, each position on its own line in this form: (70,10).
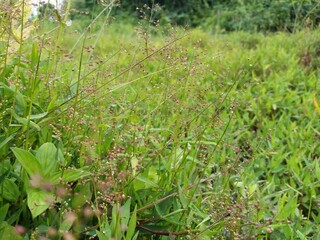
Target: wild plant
(138,135)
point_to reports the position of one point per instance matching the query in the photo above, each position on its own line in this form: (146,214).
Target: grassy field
(138,132)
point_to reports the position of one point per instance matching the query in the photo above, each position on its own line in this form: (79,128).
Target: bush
(264,15)
(251,15)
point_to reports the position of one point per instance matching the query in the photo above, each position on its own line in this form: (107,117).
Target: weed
(168,134)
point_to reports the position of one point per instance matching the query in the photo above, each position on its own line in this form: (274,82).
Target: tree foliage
(231,15)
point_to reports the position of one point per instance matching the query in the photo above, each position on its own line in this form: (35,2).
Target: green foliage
(235,15)
(112,133)
(191,12)
(46,10)
(8,232)
(42,167)
(264,15)
(122,226)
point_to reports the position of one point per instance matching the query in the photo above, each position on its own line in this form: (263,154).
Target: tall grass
(114,133)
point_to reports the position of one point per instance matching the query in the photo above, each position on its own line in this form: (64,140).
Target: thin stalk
(19,58)
(216,146)
(224,216)
(75,106)
(100,32)
(109,6)
(112,79)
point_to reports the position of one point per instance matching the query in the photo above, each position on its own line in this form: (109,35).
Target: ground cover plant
(114,131)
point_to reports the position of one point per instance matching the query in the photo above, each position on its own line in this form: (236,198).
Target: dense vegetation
(226,15)
(119,131)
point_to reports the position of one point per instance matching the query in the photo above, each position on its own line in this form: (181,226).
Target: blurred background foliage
(219,15)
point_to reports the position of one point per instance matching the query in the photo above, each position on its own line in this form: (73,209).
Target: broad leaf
(69,175)
(82,195)
(28,161)
(8,232)
(10,190)
(47,156)
(39,201)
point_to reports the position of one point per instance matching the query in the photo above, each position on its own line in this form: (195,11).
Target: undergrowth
(155,133)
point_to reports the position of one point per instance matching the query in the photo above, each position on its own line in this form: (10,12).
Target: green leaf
(135,237)
(174,213)
(8,139)
(15,216)
(13,91)
(155,142)
(10,190)
(39,201)
(26,122)
(115,223)
(301,235)
(28,161)
(67,222)
(183,199)
(316,105)
(47,156)
(132,224)
(102,236)
(4,176)
(317,170)
(277,234)
(38,116)
(34,56)
(52,102)
(134,165)
(125,212)
(70,175)
(75,174)
(138,185)
(106,229)
(8,232)
(3,212)
(147,181)
(82,195)
(171,220)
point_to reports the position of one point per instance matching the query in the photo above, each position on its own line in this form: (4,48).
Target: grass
(116,133)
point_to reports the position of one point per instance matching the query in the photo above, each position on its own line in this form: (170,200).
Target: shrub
(263,15)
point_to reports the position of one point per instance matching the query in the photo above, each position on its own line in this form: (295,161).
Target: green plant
(156,133)
(263,16)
